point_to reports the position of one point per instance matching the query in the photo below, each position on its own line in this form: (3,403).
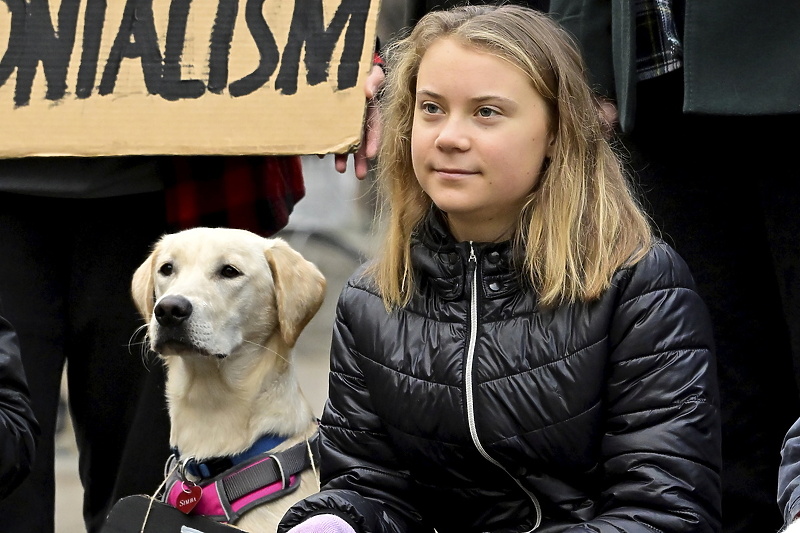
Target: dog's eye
(166,269)
(229,271)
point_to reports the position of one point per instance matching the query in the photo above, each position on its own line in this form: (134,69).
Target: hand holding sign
(368,148)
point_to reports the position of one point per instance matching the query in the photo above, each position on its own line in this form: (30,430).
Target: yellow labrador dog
(224,308)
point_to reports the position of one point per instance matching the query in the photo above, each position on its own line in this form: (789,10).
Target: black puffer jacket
(472,409)
(19,430)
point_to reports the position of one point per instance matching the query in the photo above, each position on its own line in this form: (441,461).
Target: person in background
(523,353)
(19,429)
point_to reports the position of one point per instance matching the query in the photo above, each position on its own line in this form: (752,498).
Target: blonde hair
(582,221)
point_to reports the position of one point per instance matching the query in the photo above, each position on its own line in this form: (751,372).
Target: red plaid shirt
(255,193)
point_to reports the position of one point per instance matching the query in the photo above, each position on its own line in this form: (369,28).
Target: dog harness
(225,488)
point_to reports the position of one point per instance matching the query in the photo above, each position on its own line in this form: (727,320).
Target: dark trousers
(725,192)
(65,273)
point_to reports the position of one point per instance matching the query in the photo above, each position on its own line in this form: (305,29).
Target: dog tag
(188,498)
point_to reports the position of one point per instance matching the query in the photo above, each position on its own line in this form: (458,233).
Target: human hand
(323,523)
(368,148)
(608,115)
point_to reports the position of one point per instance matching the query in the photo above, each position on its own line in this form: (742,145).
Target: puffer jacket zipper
(472,269)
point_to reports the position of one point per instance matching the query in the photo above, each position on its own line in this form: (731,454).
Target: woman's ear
(551,145)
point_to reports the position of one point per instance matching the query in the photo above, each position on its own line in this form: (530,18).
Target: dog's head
(217,291)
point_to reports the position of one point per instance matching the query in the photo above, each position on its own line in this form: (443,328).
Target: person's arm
(602,29)
(363,483)
(590,24)
(789,478)
(19,430)
(368,148)
(661,451)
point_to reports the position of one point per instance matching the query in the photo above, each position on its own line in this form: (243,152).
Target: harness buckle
(284,479)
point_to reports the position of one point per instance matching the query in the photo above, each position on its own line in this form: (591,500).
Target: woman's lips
(454,173)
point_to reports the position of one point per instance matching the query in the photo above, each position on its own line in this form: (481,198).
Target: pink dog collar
(227,496)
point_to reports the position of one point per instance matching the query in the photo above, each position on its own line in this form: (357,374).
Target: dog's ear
(299,288)
(142,288)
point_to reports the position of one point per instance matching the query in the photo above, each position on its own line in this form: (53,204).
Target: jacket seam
(561,359)
(655,291)
(676,350)
(392,369)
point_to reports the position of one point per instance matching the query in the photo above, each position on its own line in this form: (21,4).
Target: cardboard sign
(227,77)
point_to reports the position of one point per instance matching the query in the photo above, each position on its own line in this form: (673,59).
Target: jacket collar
(442,262)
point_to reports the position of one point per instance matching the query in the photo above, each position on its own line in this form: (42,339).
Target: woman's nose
(454,135)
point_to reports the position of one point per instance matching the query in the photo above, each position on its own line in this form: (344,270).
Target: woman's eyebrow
(478,99)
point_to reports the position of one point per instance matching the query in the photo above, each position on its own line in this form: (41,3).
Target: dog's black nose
(172,310)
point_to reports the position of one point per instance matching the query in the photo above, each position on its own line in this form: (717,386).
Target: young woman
(523,354)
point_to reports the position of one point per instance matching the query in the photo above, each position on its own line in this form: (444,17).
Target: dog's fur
(230,377)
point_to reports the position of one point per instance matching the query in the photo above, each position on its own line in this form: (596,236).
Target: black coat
(739,57)
(473,409)
(19,430)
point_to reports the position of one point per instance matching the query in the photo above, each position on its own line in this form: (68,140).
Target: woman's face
(479,139)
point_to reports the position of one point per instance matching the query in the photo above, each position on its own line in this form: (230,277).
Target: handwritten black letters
(39,43)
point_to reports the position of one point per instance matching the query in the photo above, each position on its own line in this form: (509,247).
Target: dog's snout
(172,310)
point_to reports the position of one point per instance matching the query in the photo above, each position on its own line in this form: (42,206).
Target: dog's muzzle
(172,310)
(174,333)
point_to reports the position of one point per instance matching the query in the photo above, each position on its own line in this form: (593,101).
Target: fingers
(340,162)
(608,115)
(370,141)
(361,164)
(374,82)
(372,130)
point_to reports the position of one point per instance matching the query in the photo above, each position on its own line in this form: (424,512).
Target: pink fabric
(260,493)
(323,523)
(210,504)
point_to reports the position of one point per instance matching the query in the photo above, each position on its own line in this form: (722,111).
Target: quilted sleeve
(19,429)
(789,475)
(362,480)
(662,444)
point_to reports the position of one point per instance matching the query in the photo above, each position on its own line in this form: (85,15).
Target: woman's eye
(229,271)
(166,269)
(429,107)
(486,112)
